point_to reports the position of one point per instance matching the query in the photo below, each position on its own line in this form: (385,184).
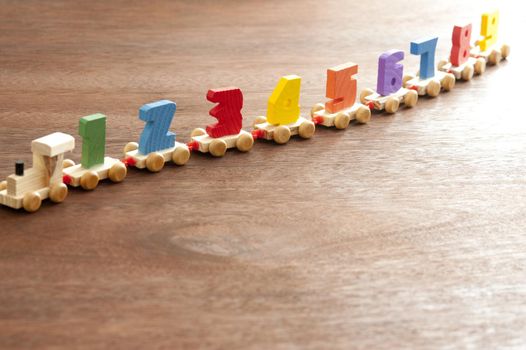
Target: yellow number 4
(283,104)
(488,29)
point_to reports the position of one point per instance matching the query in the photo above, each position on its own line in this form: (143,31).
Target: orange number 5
(341,87)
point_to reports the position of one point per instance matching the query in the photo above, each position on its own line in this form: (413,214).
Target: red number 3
(227,112)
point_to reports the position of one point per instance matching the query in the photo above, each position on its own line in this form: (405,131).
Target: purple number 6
(390,72)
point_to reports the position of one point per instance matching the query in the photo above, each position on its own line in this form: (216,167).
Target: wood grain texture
(407,232)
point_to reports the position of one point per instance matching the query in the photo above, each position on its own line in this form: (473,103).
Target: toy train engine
(27,188)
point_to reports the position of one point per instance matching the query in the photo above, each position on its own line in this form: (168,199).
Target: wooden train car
(283,118)
(76,175)
(390,103)
(341,108)
(427,81)
(464,71)
(493,55)
(179,153)
(156,145)
(217,146)
(390,93)
(227,132)
(487,47)
(94,166)
(281,133)
(459,63)
(341,119)
(430,86)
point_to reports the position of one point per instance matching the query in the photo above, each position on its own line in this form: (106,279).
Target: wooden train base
(88,179)
(217,147)
(430,86)
(154,162)
(466,71)
(493,55)
(281,133)
(390,103)
(31,201)
(341,119)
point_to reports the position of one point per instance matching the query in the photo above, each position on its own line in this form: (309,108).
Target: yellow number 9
(488,29)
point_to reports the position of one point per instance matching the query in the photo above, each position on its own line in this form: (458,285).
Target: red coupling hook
(317,119)
(129,162)
(257,134)
(66,179)
(193,145)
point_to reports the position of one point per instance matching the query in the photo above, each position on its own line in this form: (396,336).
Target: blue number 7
(158,117)
(426,49)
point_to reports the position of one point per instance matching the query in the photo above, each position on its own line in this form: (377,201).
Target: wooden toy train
(157,145)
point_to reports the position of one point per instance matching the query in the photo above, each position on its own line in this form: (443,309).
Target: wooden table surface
(408,232)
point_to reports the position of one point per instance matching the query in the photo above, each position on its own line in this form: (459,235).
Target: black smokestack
(19,168)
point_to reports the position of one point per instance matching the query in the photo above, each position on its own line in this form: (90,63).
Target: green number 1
(93,131)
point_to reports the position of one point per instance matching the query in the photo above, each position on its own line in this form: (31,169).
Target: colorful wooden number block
(341,108)
(27,188)
(341,87)
(94,165)
(486,47)
(227,132)
(155,135)
(390,72)
(460,40)
(428,81)
(389,91)
(460,63)
(156,145)
(488,30)
(283,105)
(426,49)
(93,131)
(283,114)
(227,111)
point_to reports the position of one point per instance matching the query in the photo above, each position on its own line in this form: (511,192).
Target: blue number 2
(426,49)
(158,117)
